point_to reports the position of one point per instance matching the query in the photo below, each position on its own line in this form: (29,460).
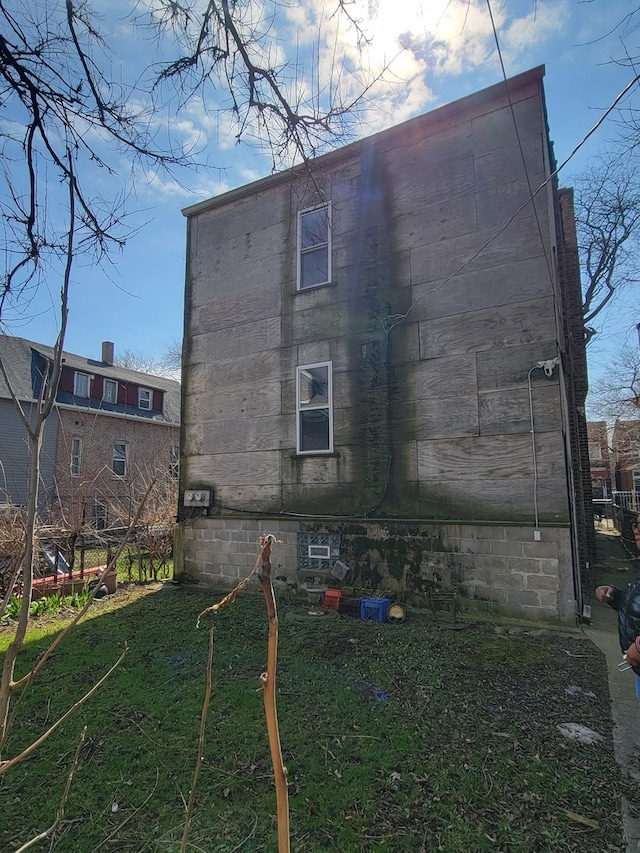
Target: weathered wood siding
(443,299)
(15,457)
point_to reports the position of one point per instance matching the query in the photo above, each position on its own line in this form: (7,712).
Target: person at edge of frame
(626,602)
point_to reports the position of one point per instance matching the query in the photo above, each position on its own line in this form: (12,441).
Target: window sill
(314,287)
(315,453)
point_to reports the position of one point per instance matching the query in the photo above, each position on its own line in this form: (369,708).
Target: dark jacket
(627,602)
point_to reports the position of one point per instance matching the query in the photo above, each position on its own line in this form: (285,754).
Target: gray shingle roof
(17,356)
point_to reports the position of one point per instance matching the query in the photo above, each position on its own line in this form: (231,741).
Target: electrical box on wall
(197,497)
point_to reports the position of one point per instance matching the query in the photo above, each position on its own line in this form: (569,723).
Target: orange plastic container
(332,599)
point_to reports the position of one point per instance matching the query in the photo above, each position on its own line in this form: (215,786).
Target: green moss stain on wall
(397,558)
(369,297)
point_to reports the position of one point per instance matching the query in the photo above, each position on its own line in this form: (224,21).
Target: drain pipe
(547,365)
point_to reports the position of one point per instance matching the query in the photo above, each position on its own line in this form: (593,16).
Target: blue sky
(137,302)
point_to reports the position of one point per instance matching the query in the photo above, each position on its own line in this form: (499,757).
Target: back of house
(384,365)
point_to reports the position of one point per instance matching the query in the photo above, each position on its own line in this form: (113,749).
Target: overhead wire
(395,319)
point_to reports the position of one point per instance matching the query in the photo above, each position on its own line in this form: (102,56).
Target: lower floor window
(314,405)
(99,516)
(76,456)
(119,459)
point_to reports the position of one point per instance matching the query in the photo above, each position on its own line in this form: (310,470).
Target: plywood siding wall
(443,298)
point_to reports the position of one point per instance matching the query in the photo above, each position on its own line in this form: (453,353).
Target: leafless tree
(607,207)
(168,364)
(172,357)
(616,394)
(140,362)
(67,118)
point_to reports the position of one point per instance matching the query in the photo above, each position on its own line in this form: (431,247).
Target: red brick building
(599,459)
(112,431)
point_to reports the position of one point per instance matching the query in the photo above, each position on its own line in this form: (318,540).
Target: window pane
(314,267)
(119,460)
(76,450)
(144,398)
(99,516)
(314,430)
(314,386)
(110,391)
(314,227)
(81,385)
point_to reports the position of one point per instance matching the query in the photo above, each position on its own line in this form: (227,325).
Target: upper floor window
(144,398)
(76,456)
(81,384)
(595,451)
(110,391)
(314,408)
(314,247)
(119,459)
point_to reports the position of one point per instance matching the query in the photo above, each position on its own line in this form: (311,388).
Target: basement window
(319,552)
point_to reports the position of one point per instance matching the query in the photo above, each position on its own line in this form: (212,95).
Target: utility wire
(395,319)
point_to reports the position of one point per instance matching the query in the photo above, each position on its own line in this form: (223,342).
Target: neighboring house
(625,446)
(599,459)
(385,364)
(110,432)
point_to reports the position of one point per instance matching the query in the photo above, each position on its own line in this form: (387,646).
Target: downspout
(573,512)
(548,366)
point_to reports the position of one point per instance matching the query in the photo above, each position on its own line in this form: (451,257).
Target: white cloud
(420,42)
(398,53)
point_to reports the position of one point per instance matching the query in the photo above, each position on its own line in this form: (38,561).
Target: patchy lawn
(422,736)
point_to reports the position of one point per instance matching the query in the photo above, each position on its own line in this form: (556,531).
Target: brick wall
(148,456)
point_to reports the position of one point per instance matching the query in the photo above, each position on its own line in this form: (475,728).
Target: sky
(437,51)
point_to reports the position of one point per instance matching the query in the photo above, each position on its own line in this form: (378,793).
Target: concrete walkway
(603,631)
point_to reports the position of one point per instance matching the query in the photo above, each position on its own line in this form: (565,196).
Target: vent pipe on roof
(107,352)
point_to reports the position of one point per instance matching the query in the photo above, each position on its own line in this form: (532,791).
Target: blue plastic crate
(374,609)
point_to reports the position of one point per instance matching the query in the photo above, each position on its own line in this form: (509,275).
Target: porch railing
(627,500)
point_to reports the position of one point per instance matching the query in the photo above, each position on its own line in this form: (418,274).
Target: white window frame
(76,457)
(114,460)
(77,391)
(141,393)
(635,474)
(307,406)
(110,383)
(319,552)
(302,251)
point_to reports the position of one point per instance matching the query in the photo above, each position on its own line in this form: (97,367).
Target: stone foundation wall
(500,566)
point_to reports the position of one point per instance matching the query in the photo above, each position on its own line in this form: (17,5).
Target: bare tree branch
(616,394)
(607,206)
